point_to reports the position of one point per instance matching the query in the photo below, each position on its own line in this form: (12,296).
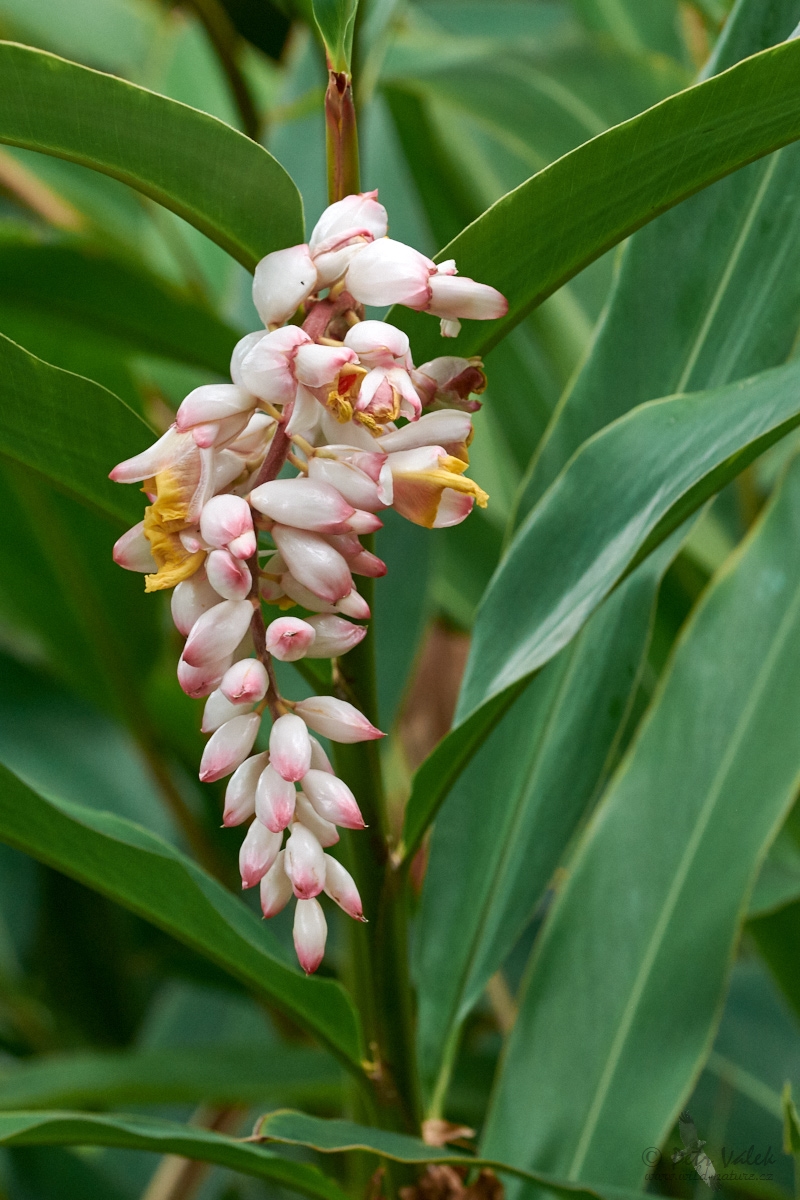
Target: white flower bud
(240,795)
(275,800)
(310,933)
(257,853)
(304,862)
(276,888)
(336,719)
(228,747)
(332,799)
(341,887)
(290,747)
(217,632)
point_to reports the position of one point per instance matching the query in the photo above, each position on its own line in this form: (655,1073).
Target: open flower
(386,391)
(430,488)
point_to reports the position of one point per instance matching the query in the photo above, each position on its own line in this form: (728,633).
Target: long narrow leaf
(334,1136)
(69,430)
(625,988)
(537,237)
(218,180)
(165,1137)
(145,874)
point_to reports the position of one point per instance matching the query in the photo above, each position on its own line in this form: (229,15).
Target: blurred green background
(459,101)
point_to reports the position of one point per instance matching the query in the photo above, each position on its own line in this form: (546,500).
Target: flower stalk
(339,400)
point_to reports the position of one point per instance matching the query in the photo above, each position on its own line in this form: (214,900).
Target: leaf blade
(164,1137)
(153,144)
(645,904)
(143,873)
(580,206)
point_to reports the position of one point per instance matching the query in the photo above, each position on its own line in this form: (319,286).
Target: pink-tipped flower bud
(313,562)
(257,853)
(226,521)
(319,759)
(378,344)
(289,638)
(336,720)
(201,681)
(290,587)
(304,862)
(228,747)
(448,428)
(303,504)
(359,560)
(290,747)
(246,682)
(275,800)
(363,522)
(324,831)
(341,887)
(342,232)
(282,281)
(217,632)
(190,599)
(318,366)
(276,888)
(240,353)
(455,296)
(389,272)
(350,481)
(252,442)
(334,636)
(240,794)
(132,551)
(332,799)
(214,402)
(219,434)
(310,933)
(155,458)
(354,605)
(219,709)
(268,367)
(228,576)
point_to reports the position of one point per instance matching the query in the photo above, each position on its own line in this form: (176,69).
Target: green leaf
(336,1136)
(69,430)
(336,21)
(791,1121)
(707,293)
(143,873)
(228,187)
(433,780)
(107,295)
(624,490)
(235,1074)
(638,27)
(537,237)
(624,988)
(581,698)
(165,1137)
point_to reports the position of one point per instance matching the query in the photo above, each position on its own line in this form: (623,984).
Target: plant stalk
(341,137)
(379,957)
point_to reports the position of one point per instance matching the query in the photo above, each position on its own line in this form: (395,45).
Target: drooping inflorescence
(338,399)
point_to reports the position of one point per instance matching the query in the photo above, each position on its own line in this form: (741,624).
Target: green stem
(380,948)
(379,959)
(342,137)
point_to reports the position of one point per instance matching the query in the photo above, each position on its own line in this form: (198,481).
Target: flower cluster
(337,399)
